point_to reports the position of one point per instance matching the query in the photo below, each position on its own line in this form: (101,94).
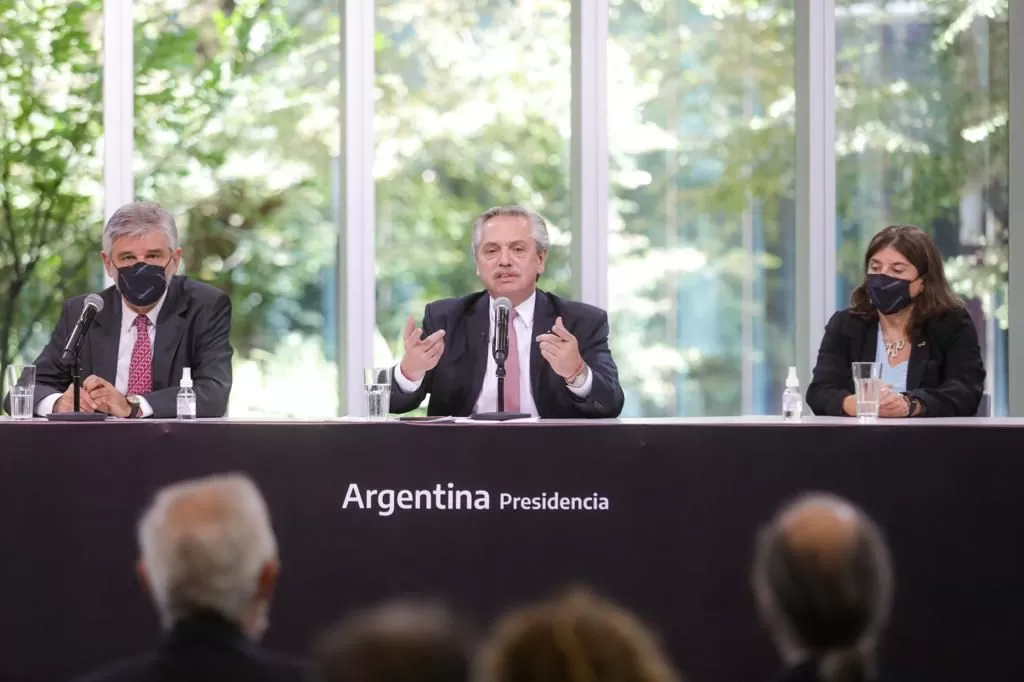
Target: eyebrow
(512,243)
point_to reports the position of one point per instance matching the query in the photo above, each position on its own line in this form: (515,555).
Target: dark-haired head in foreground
(823,582)
(397,642)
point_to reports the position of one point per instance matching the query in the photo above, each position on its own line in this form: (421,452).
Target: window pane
(473,110)
(51,166)
(921,137)
(237,133)
(702,233)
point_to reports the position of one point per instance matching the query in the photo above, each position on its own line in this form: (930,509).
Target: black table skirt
(684,500)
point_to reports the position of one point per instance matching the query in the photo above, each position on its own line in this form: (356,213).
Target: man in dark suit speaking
(558,364)
(153,324)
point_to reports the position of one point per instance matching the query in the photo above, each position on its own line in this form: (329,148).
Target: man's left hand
(561,351)
(106,398)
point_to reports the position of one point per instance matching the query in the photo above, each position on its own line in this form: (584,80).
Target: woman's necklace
(893,348)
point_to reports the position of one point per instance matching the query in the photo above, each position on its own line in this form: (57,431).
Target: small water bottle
(186,396)
(792,401)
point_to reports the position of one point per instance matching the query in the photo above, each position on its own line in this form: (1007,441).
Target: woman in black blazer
(906,315)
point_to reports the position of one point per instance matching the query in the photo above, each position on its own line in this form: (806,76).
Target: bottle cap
(186,377)
(791,379)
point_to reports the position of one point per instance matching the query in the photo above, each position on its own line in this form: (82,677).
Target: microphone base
(77,417)
(499,416)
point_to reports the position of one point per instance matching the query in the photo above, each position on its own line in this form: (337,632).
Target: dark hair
(914,244)
(576,638)
(397,642)
(831,606)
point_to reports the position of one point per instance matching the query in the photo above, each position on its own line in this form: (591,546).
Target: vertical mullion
(118,106)
(356,284)
(816,171)
(589,160)
(1016,227)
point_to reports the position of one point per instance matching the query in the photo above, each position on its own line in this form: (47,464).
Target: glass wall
(237,132)
(922,137)
(51,166)
(473,110)
(702,225)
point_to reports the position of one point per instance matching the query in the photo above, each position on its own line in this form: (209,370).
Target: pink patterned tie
(140,371)
(512,366)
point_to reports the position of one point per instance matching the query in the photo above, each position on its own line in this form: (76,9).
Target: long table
(659,515)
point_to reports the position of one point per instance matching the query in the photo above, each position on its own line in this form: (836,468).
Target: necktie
(512,366)
(140,370)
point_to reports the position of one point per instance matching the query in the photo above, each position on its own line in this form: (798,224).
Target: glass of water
(21,383)
(377,381)
(867,383)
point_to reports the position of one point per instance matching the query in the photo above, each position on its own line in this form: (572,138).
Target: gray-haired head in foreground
(135,219)
(823,579)
(204,544)
(537,225)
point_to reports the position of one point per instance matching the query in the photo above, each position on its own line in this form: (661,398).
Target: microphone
(93,305)
(502,309)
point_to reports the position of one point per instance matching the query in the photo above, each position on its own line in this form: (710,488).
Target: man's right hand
(66,402)
(421,355)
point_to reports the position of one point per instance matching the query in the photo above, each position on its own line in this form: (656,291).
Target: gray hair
(136,219)
(537,224)
(823,577)
(204,544)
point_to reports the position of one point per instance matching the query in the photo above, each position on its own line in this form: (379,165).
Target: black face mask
(888,294)
(142,284)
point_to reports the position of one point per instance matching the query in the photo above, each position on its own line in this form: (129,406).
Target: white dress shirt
(488,399)
(125,346)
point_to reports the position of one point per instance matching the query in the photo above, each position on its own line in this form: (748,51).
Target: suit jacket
(191,331)
(203,648)
(945,372)
(455,384)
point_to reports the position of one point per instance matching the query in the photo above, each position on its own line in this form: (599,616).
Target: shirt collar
(523,310)
(128,315)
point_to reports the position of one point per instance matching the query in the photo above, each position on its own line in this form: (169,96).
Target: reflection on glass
(702,232)
(922,138)
(472,111)
(51,173)
(237,133)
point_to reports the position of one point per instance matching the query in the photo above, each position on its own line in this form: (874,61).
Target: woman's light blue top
(894,376)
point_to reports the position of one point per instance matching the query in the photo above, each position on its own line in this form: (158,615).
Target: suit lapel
(105,336)
(544,316)
(478,328)
(869,344)
(169,328)
(920,353)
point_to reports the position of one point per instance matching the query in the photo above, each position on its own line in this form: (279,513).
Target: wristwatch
(135,403)
(579,379)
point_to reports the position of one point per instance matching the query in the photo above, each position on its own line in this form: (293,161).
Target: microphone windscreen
(502,302)
(96,301)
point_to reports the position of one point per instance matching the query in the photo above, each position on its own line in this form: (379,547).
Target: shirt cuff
(45,406)
(145,409)
(407,385)
(584,390)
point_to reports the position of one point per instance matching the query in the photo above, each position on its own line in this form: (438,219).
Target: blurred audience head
(575,638)
(823,582)
(207,546)
(397,642)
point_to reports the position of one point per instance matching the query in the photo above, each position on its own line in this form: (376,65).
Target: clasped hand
(97,395)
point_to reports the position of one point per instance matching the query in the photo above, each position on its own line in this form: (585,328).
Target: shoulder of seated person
(570,308)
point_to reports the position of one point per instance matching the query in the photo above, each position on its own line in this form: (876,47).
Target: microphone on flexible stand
(500,350)
(71,356)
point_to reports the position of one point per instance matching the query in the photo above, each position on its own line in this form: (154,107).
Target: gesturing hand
(421,355)
(561,350)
